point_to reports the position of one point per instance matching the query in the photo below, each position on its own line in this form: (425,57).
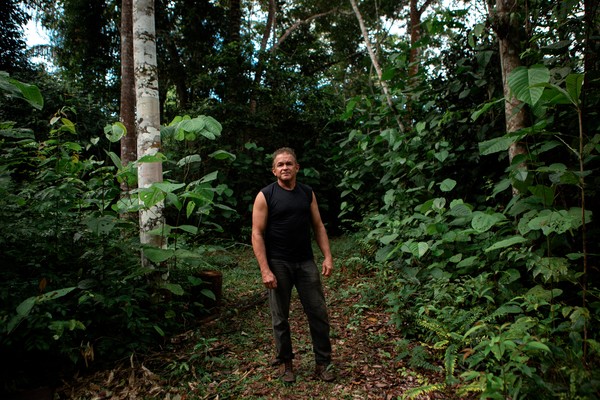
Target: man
(283,214)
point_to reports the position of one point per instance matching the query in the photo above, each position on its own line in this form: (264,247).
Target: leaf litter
(229,356)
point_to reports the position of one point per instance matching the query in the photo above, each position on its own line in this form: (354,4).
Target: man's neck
(287,185)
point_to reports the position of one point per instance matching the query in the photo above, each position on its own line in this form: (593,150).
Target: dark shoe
(288,373)
(276,362)
(324,373)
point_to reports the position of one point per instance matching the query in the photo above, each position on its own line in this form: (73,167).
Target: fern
(433,326)
(502,311)
(450,363)
(473,387)
(418,359)
(418,391)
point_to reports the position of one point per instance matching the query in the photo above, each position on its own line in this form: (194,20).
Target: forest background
(456,143)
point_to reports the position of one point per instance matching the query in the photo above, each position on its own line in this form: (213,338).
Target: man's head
(284,150)
(285,166)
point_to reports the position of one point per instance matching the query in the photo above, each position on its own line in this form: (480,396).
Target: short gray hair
(283,150)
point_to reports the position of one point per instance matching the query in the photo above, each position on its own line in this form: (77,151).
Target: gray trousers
(306,278)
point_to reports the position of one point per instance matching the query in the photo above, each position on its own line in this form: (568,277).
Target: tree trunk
(375,62)
(507,26)
(416,13)
(127,110)
(148,113)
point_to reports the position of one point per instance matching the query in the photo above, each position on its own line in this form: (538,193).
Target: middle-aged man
(283,214)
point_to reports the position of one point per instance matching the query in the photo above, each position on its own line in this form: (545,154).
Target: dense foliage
(489,267)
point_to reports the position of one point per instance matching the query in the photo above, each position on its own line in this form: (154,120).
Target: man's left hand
(327,267)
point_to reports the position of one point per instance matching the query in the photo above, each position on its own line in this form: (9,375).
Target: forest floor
(228,355)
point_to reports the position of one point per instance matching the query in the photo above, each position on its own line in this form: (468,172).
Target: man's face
(285,167)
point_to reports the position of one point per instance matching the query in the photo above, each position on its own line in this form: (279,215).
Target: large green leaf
(24,91)
(174,288)
(482,222)
(115,132)
(151,196)
(574,84)
(506,243)
(168,187)
(498,144)
(525,83)
(158,255)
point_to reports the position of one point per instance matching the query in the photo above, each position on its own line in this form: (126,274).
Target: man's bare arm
(259,225)
(321,237)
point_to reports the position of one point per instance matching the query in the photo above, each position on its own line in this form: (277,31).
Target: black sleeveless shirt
(288,236)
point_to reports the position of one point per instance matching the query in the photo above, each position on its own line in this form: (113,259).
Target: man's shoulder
(269,187)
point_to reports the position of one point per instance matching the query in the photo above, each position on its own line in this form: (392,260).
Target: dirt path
(235,362)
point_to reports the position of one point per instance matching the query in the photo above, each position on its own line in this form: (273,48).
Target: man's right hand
(269,280)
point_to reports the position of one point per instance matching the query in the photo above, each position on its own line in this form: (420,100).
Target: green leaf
(476,114)
(192,125)
(498,144)
(416,249)
(151,196)
(447,185)
(212,126)
(115,132)
(16,89)
(188,228)
(574,84)
(115,159)
(189,160)
(473,330)
(208,293)
(157,255)
(149,158)
(55,294)
(189,209)
(168,187)
(387,239)
(506,243)
(209,177)
(482,222)
(525,82)
(551,268)
(174,288)
(222,155)
(533,345)
(545,193)
(26,305)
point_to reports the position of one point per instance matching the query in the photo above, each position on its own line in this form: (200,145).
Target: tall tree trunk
(507,26)
(375,62)
(416,13)
(127,110)
(148,113)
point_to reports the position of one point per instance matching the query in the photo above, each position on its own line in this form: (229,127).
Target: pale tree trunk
(375,62)
(127,110)
(507,27)
(148,109)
